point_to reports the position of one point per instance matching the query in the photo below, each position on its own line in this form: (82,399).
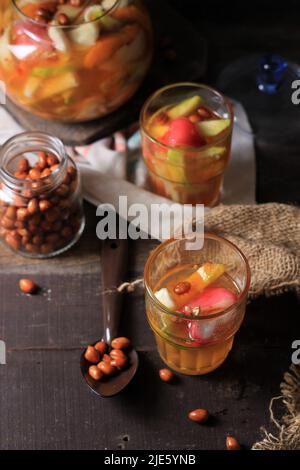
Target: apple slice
(164,298)
(183,133)
(213,127)
(185,108)
(212,300)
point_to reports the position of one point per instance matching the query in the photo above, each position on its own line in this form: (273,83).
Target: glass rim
(178,85)
(10,179)
(60,26)
(192,317)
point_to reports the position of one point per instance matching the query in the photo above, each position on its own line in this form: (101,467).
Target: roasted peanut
(52,238)
(62,190)
(72,172)
(22,214)
(52,160)
(11,212)
(23,232)
(14,241)
(120,343)
(23,165)
(27,286)
(52,214)
(101,346)
(44,205)
(182,287)
(7,223)
(33,206)
(31,248)
(67,232)
(115,353)
(54,167)
(25,240)
(119,362)
(42,162)
(232,443)
(92,355)
(34,174)
(95,373)
(46,172)
(106,358)
(106,368)
(46,248)
(37,240)
(166,375)
(199,415)
(203,113)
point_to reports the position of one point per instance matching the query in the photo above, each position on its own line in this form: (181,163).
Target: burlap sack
(269,236)
(287,436)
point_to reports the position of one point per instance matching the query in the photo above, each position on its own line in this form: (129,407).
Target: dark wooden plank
(50,407)
(189,65)
(44,402)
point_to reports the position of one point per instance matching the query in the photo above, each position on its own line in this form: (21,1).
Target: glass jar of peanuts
(41,213)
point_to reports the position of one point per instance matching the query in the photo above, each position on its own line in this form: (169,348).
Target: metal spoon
(114,263)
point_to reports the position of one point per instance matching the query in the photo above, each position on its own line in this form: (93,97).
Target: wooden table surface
(45,404)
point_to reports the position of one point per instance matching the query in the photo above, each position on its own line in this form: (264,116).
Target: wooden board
(189,65)
(45,404)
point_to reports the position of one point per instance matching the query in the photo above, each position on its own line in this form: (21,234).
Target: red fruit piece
(30,38)
(183,133)
(212,300)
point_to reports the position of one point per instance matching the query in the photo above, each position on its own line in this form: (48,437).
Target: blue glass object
(272,68)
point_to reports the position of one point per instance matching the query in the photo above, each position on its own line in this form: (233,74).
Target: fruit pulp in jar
(74,63)
(193,347)
(187,152)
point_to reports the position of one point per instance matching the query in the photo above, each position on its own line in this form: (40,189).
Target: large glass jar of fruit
(73,60)
(41,212)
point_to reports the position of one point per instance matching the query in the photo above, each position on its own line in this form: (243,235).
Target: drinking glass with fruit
(73,60)
(195,302)
(186,140)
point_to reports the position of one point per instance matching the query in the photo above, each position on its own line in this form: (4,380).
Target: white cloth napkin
(113,166)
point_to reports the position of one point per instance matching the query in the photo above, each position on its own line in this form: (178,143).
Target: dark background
(238,29)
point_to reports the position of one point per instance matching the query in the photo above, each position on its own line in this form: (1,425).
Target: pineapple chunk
(6,58)
(57,85)
(185,108)
(31,86)
(210,272)
(203,277)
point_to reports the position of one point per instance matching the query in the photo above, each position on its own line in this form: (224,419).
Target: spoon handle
(114,258)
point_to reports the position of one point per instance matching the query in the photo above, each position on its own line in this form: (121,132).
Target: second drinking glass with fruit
(186,139)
